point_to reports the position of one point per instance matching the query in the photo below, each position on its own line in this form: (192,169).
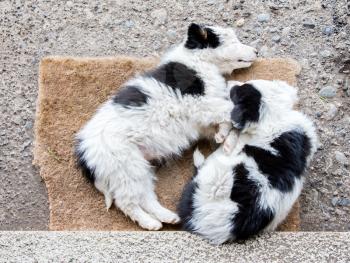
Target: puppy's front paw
(228,147)
(230,143)
(219,137)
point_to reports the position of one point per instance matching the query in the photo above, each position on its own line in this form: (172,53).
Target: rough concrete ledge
(170,247)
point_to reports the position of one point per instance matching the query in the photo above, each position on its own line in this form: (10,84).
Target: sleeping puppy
(237,193)
(157,115)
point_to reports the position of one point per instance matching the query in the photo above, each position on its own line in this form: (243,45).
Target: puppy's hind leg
(137,214)
(130,184)
(152,206)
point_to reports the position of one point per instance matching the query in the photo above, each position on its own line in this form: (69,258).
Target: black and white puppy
(157,115)
(237,195)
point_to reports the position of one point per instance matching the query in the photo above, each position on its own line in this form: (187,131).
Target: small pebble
(328,30)
(309,24)
(327,217)
(334,201)
(328,92)
(273,29)
(16,119)
(276,38)
(341,158)
(325,53)
(286,31)
(343,202)
(264,51)
(337,172)
(332,111)
(171,34)
(160,16)
(263,18)
(240,22)
(258,30)
(340,81)
(129,23)
(339,211)
(28,126)
(273,7)
(346,66)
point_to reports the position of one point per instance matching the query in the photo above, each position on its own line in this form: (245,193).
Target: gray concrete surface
(314,32)
(170,247)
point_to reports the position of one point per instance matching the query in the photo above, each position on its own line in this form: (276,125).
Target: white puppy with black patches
(157,115)
(251,182)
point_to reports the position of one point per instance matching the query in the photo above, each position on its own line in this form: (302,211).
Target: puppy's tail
(102,187)
(198,158)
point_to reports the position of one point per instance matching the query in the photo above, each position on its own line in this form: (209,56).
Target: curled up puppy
(157,115)
(250,183)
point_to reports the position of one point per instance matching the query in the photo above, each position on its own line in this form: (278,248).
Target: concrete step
(170,247)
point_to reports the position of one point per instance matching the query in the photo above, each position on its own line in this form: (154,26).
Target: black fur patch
(130,96)
(185,207)
(180,77)
(293,149)
(250,219)
(201,37)
(86,170)
(247,101)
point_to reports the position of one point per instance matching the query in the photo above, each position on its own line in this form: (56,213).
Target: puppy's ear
(234,93)
(247,103)
(199,37)
(196,37)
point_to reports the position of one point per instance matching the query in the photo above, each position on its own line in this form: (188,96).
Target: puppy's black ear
(247,103)
(196,37)
(199,37)
(234,93)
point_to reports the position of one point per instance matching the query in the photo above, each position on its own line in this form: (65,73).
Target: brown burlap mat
(70,90)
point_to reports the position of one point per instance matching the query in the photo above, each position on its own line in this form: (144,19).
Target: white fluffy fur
(119,142)
(213,208)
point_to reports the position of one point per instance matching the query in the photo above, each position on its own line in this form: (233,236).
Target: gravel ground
(41,246)
(316,33)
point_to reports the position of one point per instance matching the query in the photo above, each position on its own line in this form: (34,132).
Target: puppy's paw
(230,143)
(221,192)
(228,147)
(167,216)
(223,186)
(171,219)
(151,224)
(219,137)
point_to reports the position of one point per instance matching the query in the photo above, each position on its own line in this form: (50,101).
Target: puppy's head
(258,100)
(219,46)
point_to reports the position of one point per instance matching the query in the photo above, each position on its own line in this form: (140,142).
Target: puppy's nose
(256,51)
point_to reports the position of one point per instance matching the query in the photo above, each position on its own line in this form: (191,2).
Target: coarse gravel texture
(316,33)
(170,247)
